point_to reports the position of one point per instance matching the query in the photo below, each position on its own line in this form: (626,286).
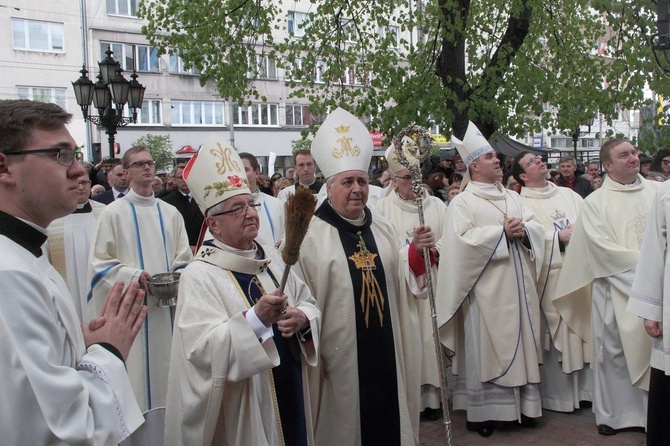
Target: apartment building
(43,45)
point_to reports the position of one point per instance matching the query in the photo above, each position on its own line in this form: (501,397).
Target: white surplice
(54,389)
(70,240)
(424,375)
(221,388)
(135,234)
(650,292)
(272,219)
(592,293)
(566,376)
(488,307)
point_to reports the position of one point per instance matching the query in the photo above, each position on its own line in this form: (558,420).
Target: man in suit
(181,198)
(119,182)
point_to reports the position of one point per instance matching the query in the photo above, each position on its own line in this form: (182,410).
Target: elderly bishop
(240,349)
(351,261)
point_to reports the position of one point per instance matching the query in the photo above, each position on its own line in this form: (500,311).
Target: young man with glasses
(62,382)
(136,238)
(566,376)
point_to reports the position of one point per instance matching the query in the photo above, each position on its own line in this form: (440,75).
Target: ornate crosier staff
(412,146)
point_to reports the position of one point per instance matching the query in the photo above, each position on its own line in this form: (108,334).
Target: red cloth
(416,262)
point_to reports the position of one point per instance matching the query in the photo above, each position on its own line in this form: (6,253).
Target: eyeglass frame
(240,210)
(142,164)
(79,156)
(533,160)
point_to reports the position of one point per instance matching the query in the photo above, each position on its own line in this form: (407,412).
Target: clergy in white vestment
(649,299)
(401,209)
(486,294)
(272,214)
(305,174)
(566,378)
(62,382)
(137,237)
(70,246)
(240,350)
(595,282)
(352,263)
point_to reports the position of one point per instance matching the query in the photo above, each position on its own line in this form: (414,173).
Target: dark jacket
(582,186)
(106,197)
(193,218)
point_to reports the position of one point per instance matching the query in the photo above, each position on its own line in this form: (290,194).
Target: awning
(509,147)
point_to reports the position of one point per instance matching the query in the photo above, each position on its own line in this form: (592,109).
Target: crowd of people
(549,290)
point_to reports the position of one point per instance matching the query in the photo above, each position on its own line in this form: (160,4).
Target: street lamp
(109,96)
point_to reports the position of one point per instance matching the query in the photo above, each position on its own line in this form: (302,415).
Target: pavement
(552,429)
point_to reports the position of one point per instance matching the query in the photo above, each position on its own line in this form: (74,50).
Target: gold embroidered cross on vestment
(371,293)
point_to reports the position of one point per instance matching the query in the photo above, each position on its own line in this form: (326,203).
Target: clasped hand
(274,309)
(120,321)
(514,228)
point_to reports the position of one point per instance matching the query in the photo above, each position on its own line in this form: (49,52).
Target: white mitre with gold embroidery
(342,143)
(215,174)
(473,145)
(392,160)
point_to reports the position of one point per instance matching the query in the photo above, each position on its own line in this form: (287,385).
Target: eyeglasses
(65,157)
(141,164)
(404,177)
(535,159)
(239,210)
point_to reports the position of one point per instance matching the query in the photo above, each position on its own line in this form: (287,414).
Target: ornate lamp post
(109,96)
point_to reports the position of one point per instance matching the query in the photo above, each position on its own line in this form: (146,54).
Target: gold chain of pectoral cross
(371,294)
(501,211)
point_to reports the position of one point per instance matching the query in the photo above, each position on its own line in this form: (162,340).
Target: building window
(37,36)
(256,114)
(560,142)
(297,115)
(123,53)
(40,94)
(132,57)
(122,7)
(147,58)
(349,30)
(319,72)
(296,22)
(177,66)
(291,68)
(349,77)
(149,114)
(265,67)
(197,113)
(392,33)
